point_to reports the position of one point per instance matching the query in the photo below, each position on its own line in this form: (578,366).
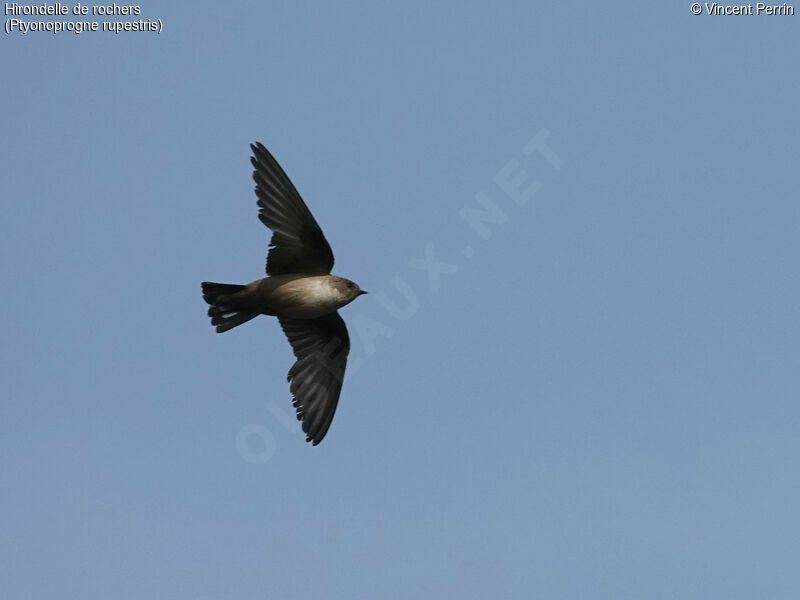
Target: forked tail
(223,310)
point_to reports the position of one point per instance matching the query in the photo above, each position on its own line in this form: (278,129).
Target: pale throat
(324,289)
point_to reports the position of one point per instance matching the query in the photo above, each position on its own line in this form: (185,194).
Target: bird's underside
(299,291)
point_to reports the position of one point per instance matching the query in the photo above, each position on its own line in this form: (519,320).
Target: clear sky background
(601,402)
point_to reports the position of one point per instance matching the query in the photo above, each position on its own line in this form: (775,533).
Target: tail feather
(224,312)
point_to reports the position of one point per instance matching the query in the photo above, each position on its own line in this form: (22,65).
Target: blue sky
(601,401)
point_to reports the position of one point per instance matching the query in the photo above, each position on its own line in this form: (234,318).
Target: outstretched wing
(298,244)
(321,347)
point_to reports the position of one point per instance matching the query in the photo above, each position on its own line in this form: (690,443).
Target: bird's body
(300,291)
(302,296)
(294,296)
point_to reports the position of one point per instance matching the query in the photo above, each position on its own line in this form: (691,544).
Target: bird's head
(349,289)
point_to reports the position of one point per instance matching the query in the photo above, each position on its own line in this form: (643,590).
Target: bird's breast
(305,298)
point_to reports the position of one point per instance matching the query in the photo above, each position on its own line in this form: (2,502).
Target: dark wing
(321,347)
(298,244)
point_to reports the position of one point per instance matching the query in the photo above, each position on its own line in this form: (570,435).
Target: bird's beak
(362,292)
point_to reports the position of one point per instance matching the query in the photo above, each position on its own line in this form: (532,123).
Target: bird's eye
(351,285)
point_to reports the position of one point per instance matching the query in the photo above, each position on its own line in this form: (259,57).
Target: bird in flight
(300,291)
